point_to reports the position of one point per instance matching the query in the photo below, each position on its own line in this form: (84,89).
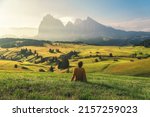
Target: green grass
(136,68)
(19,83)
(51,86)
(83,49)
(8,66)
(123,67)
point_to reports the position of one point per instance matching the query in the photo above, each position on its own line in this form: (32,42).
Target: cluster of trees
(70,55)
(27,52)
(145,43)
(69,42)
(53,59)
(54,51)
(2,57)
(63,64)
(12,42)
(140,55)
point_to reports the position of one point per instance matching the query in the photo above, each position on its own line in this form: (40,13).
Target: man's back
(79,74)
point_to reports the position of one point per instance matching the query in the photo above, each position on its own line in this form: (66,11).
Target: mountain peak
(52,28)
(48,17)
(89,18)
(78,21)
(50,20)
(69,23)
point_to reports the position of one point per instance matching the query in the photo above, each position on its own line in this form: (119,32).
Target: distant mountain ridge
(87,30)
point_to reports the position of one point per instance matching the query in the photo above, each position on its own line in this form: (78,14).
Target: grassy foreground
(52,86)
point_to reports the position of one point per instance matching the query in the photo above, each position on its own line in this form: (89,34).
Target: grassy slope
(116,50)
(83,49)
(137,68)
(123,66)
(28,85)
(58,86)
(8,66)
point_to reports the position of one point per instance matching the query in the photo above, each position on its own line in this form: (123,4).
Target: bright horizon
(22,17)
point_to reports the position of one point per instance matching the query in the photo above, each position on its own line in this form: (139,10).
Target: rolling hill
(33,57)
(25,71)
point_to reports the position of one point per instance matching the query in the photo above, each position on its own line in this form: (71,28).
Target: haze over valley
(69,20)
(87,30)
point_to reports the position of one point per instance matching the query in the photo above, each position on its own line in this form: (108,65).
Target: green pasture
(52,86)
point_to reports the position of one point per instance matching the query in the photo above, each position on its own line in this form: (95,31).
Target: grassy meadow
(120,76)
(52,86)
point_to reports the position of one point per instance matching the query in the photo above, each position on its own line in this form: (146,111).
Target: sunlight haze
(122,14)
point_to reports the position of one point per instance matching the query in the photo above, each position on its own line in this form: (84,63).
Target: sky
(27,14)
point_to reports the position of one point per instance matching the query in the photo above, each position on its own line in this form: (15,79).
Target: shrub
(111,55)
(41,70)
(134,55)
(96,60)
(139,58)
(25,68)
(141,53)
(100,57)
(132,60)
(116,60)
(15,66)
(51,69)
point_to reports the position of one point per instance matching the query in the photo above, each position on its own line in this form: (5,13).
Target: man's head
(80,64)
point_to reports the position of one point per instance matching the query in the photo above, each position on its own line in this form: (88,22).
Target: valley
(43,70)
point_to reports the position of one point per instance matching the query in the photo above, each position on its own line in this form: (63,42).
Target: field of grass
(123,66)
(85,50)
(108,79)
(136,68)
(52,86)
(8,66)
